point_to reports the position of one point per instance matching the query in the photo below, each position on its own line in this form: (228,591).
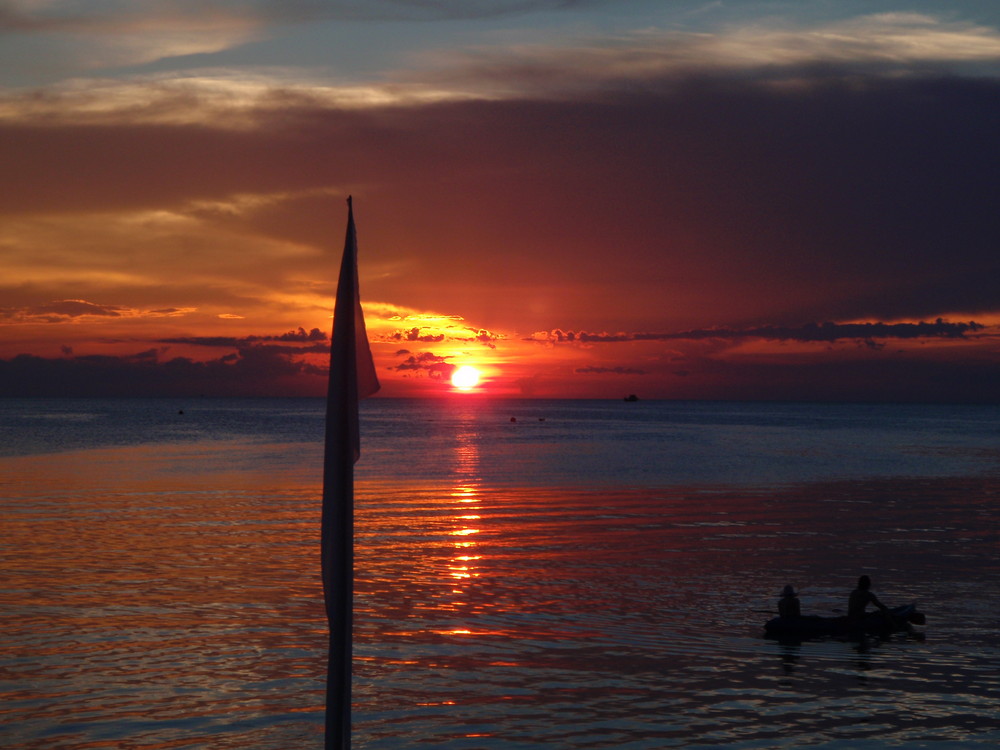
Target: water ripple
(143,605)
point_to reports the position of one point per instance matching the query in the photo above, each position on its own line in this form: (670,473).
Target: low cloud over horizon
(287,365)
(828,331)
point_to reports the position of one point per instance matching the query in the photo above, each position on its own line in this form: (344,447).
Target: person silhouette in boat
(860,598)
(788,604)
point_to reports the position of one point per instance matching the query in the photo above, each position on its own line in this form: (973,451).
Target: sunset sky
(677,199)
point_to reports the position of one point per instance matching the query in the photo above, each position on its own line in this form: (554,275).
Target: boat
(816,626)
(631,398)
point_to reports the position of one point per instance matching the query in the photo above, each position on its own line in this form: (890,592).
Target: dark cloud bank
(849,197)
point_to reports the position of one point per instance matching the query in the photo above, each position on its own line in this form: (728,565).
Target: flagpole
(352,377)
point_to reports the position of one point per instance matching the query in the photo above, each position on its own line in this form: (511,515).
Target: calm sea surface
(530,574)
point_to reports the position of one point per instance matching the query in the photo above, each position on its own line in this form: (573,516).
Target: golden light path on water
(168,597)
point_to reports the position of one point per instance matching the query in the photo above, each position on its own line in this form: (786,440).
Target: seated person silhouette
(860,598)
(788,604)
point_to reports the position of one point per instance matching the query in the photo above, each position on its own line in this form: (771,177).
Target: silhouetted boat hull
(815,626)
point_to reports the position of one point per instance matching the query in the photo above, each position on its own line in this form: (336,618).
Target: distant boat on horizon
(631,397)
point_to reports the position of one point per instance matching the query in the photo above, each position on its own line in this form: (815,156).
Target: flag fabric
(352,377)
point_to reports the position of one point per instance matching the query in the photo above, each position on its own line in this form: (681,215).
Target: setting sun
(465,377)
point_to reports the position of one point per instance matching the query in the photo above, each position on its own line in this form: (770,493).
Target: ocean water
(529,574)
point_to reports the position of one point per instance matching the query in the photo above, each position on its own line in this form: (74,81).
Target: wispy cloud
(87,15)
(88,35)
(776,52)
(218,98)
(131,33)
(77,310)
(780,53)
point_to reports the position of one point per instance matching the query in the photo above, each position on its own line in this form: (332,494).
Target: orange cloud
(78,310)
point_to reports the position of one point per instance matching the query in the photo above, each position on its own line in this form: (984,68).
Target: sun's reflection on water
(464,565)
